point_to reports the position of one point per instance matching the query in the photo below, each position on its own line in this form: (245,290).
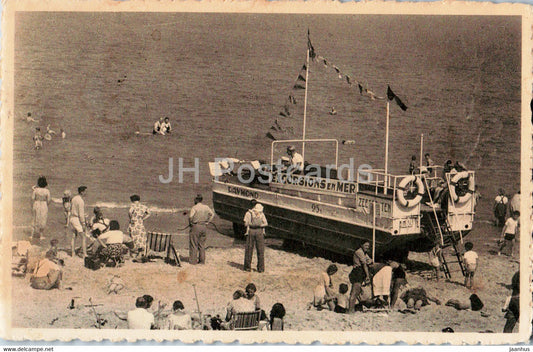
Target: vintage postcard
(266,171)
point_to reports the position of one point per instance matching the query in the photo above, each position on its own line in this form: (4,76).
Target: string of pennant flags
(299,84)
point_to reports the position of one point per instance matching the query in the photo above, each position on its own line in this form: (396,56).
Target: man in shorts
(77,220)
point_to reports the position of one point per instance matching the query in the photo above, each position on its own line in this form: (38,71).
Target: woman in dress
(40,198)
(138,213)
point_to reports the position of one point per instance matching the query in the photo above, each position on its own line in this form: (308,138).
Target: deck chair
(246,320)
(162,243)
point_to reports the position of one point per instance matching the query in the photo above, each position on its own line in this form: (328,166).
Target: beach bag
(255,219)
(475,303)
(92,263)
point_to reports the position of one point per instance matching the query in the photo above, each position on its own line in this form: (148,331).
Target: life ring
(453,183)
(401,188)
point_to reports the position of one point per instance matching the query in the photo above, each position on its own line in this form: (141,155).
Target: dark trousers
(255,238)
(197,237)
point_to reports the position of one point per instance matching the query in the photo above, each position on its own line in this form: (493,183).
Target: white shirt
(470,257)
(140,318)
(511,225)
(77,209)
(501,199)
(242,305)
(297,161)
(179,322)
(112,237)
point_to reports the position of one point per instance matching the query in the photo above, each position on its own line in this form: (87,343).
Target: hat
(258,207)
(291,148)
(67,193)
(97,210)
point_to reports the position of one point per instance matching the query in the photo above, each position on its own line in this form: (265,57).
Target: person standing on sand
(77,220)
(500,207)
(138,213)
(255,222)
(199,216)
(470,260)
(360,273)
(41,199)
(509,232)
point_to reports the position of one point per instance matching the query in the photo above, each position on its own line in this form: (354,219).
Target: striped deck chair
(162,243)
(246,320)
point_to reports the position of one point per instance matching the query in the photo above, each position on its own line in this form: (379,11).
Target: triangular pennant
(312,53)
(392,96)
(270,136)
(348,80)
(336,69)
(300,78)
(360,88)
(292,100)
(298,86)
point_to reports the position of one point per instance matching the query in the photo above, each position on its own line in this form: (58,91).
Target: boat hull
(335,235)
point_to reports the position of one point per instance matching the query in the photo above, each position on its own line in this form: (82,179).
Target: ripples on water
(223,78)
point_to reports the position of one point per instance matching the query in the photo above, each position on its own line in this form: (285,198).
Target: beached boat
(396,213)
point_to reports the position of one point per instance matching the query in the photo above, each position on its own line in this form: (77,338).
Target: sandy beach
(289,279)
(223,85)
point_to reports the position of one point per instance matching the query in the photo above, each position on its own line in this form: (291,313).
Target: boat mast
(305,101)
(386,150)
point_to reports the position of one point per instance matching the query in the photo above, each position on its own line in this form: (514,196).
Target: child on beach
(67,198)
(509,231)
(470,260)
(341,305)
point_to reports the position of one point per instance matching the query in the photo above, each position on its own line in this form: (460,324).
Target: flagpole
(305,100)
(386,150)
(421,149)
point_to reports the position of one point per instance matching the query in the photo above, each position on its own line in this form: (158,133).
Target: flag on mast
(312,53)
(392,96)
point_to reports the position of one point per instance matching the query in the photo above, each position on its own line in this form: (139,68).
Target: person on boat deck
(166,128)
(412,165)
(448,166)
(429,162)
(157,126)
(296,162)
(459,166)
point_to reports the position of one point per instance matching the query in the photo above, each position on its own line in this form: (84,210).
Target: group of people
(373,286)
(38,137)
(143,317)
(162,126)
